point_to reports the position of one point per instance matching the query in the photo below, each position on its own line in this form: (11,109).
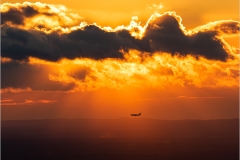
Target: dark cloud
(91,42)
(24,75)
(18,15)
(230,27)
(163,34)
(166,35)
(13,15)
(29,11)
(204,44)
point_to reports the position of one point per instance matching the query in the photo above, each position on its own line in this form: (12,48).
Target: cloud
(162,33)
(11,102)
(92,42)
(6,100)
(149,71)
(18,77)
(159,71)
(37,15)
(167,34)
(155,6)
(86,57)
(13,15)
(197,97)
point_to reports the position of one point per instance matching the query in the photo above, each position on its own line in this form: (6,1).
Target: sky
(107,59)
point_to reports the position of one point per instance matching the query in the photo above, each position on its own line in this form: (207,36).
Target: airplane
(136,114)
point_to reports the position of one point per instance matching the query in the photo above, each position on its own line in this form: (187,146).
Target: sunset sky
(167,59)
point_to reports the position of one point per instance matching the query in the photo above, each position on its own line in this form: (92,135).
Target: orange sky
(155,83)
(114,13)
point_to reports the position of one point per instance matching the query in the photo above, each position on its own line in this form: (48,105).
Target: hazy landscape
(122,138)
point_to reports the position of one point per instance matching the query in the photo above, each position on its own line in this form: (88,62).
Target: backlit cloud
(72,55)
(156,71)
(162,33)
(11,102)
(37,15)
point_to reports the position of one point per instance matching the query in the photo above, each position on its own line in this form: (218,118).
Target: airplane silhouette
(136,114)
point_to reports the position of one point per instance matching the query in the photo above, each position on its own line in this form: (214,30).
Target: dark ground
(120,139)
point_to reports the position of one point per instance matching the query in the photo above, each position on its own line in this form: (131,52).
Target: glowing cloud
(136,70)
(11,102)
(63,56)
(21,38)
(37,15)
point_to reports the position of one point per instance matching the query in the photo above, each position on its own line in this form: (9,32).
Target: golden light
(158,71)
